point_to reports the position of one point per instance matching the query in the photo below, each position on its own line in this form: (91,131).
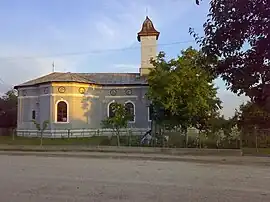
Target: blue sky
(77,35)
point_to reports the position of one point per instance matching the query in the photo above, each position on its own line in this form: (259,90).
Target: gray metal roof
(95,78)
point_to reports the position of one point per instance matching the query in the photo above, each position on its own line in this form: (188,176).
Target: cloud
(37,30)
(126,67)
(115,25)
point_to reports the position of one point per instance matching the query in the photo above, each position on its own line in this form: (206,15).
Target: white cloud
(112,27)
(115,26)
(126,68)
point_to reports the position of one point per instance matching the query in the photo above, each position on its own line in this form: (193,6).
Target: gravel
(57,179)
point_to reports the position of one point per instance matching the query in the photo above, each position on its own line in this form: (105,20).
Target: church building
(80,101)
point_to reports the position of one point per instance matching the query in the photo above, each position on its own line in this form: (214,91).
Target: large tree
(181,91)
(8,110)
(237,33)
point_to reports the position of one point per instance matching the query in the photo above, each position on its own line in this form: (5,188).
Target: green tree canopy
(251,115)
(181,90)
(237,33)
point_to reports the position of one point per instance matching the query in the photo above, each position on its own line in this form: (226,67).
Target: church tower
(148,37)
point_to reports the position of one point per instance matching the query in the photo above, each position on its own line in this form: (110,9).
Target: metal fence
(259,138)
(79,133)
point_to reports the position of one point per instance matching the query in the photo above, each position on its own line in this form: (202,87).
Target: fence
(77,133)
(253,139)
(132,137)
(7,131)
(256,138)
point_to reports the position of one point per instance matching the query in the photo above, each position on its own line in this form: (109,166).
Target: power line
(90,52)
(3,83)
(1,80)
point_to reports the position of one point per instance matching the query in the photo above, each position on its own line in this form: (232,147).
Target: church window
(62,111)
(130,107)
(110,110)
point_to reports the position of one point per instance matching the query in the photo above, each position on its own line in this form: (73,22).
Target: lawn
(93,141)
(253,151)
(96,140)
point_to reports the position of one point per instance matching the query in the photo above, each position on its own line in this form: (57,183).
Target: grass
(253,151)
(84,141)
(174,141)
(96,140)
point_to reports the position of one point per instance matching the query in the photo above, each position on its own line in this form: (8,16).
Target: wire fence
(253,139)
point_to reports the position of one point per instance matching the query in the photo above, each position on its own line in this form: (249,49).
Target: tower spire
(148,37)
(53,66)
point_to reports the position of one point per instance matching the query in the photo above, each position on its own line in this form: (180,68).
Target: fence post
(256,139)
(241,142)
(13,131)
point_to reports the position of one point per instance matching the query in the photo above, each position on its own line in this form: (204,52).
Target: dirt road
(57,179)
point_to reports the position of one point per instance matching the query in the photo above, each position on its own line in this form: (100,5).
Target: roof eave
(98,84)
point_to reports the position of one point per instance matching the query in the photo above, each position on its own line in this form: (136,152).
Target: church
(80,101)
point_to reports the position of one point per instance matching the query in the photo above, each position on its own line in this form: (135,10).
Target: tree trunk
(118,141)
(41,138)
(118,138)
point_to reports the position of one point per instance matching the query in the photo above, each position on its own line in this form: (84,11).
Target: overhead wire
(87,52)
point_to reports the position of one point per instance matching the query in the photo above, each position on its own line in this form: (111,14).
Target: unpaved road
(58,179)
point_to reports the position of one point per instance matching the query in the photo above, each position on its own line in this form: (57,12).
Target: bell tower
(148,37)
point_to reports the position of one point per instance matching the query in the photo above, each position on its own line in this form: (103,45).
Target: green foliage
(237,33)
(234,134)
(45,124)
(251,115)
(8,110)
(118,121)
(38,125)
(181,91)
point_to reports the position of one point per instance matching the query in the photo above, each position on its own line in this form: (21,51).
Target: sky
(93,36)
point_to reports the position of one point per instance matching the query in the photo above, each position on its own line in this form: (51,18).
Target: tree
(237,33)
(234,135)
(41,129)
(251,119)
(8,110)
(253,115)
(180,89)
(118,121)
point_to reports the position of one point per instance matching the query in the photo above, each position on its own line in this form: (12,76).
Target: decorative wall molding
(58,94)
(121,96)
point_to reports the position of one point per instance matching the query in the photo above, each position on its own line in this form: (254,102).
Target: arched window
(62,111)
(110,111)
(130,107)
